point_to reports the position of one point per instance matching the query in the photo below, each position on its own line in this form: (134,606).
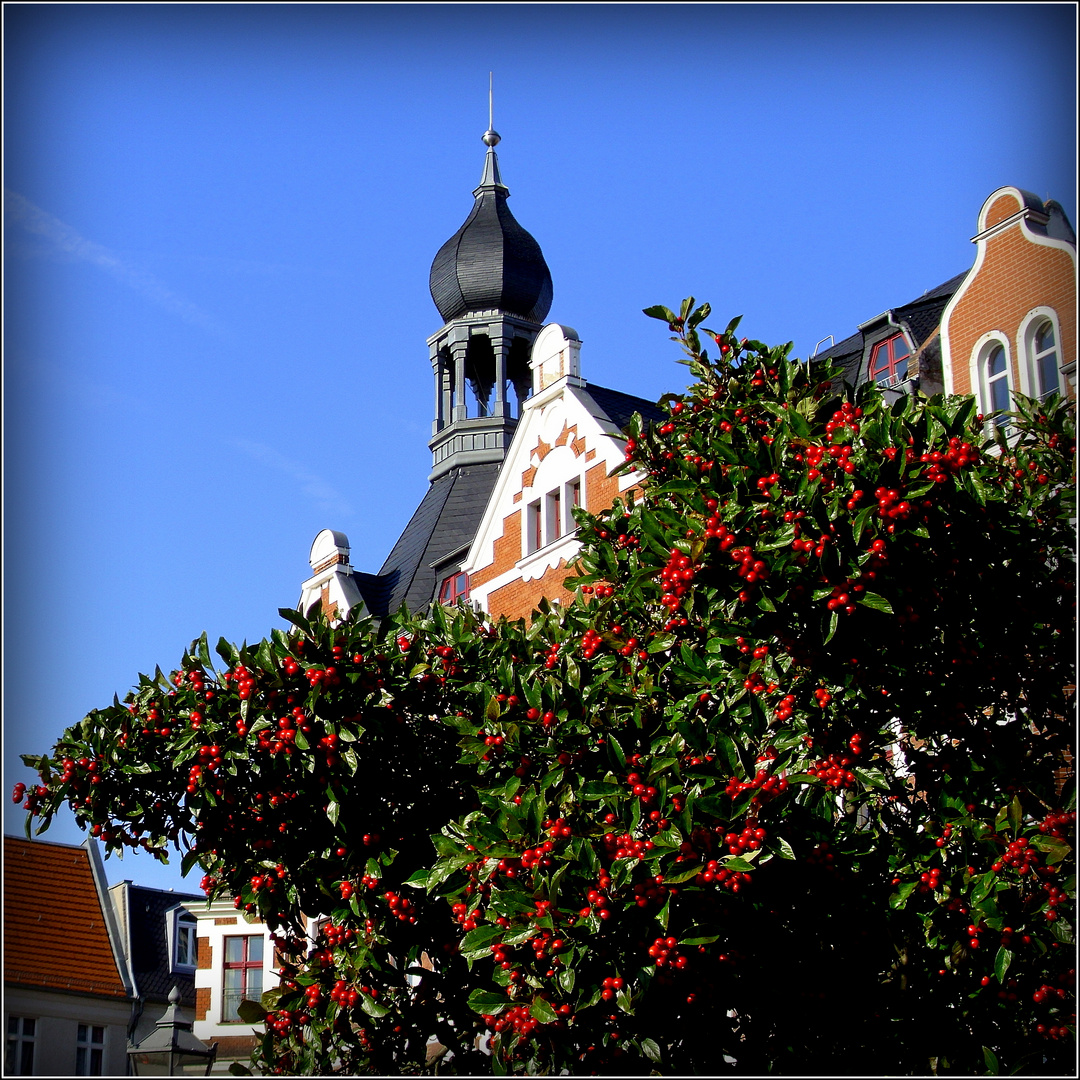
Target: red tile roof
(55,935)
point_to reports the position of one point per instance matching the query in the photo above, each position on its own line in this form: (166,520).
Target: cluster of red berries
(626,847)
(400,906)
(325,677)
(603,591)
(1019,855)
(890,506)
(846,416)
(757,685)
(834,770)
(768,786)
(676,578)
(819,459)
(1054,897)
(245,681)
(210,760)
(843,596)
(750,839)
(946,835)
(930,880)
(461,915)
(345,995)
(538,856)
(1058,823)
(645,792)
(611,985)
(590,642)
(1046,992)
(597,897)
(664,951)
(517,1019)
(337,935)
(545,945)
(942,465)
(552,657)
(283,1019)
(751,569)
(764,483)
(714,873)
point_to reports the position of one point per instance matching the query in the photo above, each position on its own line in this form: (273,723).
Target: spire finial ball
(491,138)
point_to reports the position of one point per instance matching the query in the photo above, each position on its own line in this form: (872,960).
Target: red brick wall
(518,599)
(1016,275)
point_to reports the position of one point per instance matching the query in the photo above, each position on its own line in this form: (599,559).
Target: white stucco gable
(562,437)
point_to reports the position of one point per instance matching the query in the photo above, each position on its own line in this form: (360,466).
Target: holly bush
(786,788)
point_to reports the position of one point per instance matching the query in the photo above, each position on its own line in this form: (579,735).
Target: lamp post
(171,1049)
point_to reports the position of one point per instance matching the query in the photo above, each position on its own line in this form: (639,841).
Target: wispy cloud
(20,211)
(322,493)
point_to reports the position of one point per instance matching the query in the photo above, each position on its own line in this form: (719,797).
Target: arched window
(1044,360)
(995,381)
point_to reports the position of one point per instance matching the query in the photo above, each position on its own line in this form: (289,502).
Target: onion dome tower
(493,290)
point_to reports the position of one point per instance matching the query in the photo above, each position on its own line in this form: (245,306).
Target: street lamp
(171,1049)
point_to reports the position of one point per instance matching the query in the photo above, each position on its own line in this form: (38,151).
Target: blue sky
(219,222)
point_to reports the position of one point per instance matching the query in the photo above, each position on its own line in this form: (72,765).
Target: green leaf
(372,1007)
(991,1061)
(541,1010)
(333,812)
(487,1002)
(251,1012)
(651,1050)
(477,942)
(1057,848)
(1002,962)
(1016,815)
(878,603)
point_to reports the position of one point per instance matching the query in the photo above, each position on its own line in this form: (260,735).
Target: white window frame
(177,919)
(16,1041)
(550,518)
(980,357)
(1030,384)
(86,1046)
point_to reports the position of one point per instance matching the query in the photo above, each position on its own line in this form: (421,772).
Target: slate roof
(150,960)
(441,529)
(55,933)
(619,407)
(445,522)
(491,262)
(920,318)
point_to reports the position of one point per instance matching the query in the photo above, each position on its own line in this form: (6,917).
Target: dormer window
(181,931)
(889,361)
(454,588)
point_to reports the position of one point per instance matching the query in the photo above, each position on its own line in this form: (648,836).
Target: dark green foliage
(783,790)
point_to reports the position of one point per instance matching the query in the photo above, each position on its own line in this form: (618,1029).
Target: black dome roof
(491,261)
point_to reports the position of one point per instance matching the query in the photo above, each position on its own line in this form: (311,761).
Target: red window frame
(888,359)
(249,989)
(454,588)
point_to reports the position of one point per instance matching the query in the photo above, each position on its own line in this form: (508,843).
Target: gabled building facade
(235,961)
(69,996)
(568,442)
(478,534)
(1010,326)
(496,525)
(1007,325)
(157,934)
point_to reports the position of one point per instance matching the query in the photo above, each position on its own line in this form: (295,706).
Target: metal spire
(491,137)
